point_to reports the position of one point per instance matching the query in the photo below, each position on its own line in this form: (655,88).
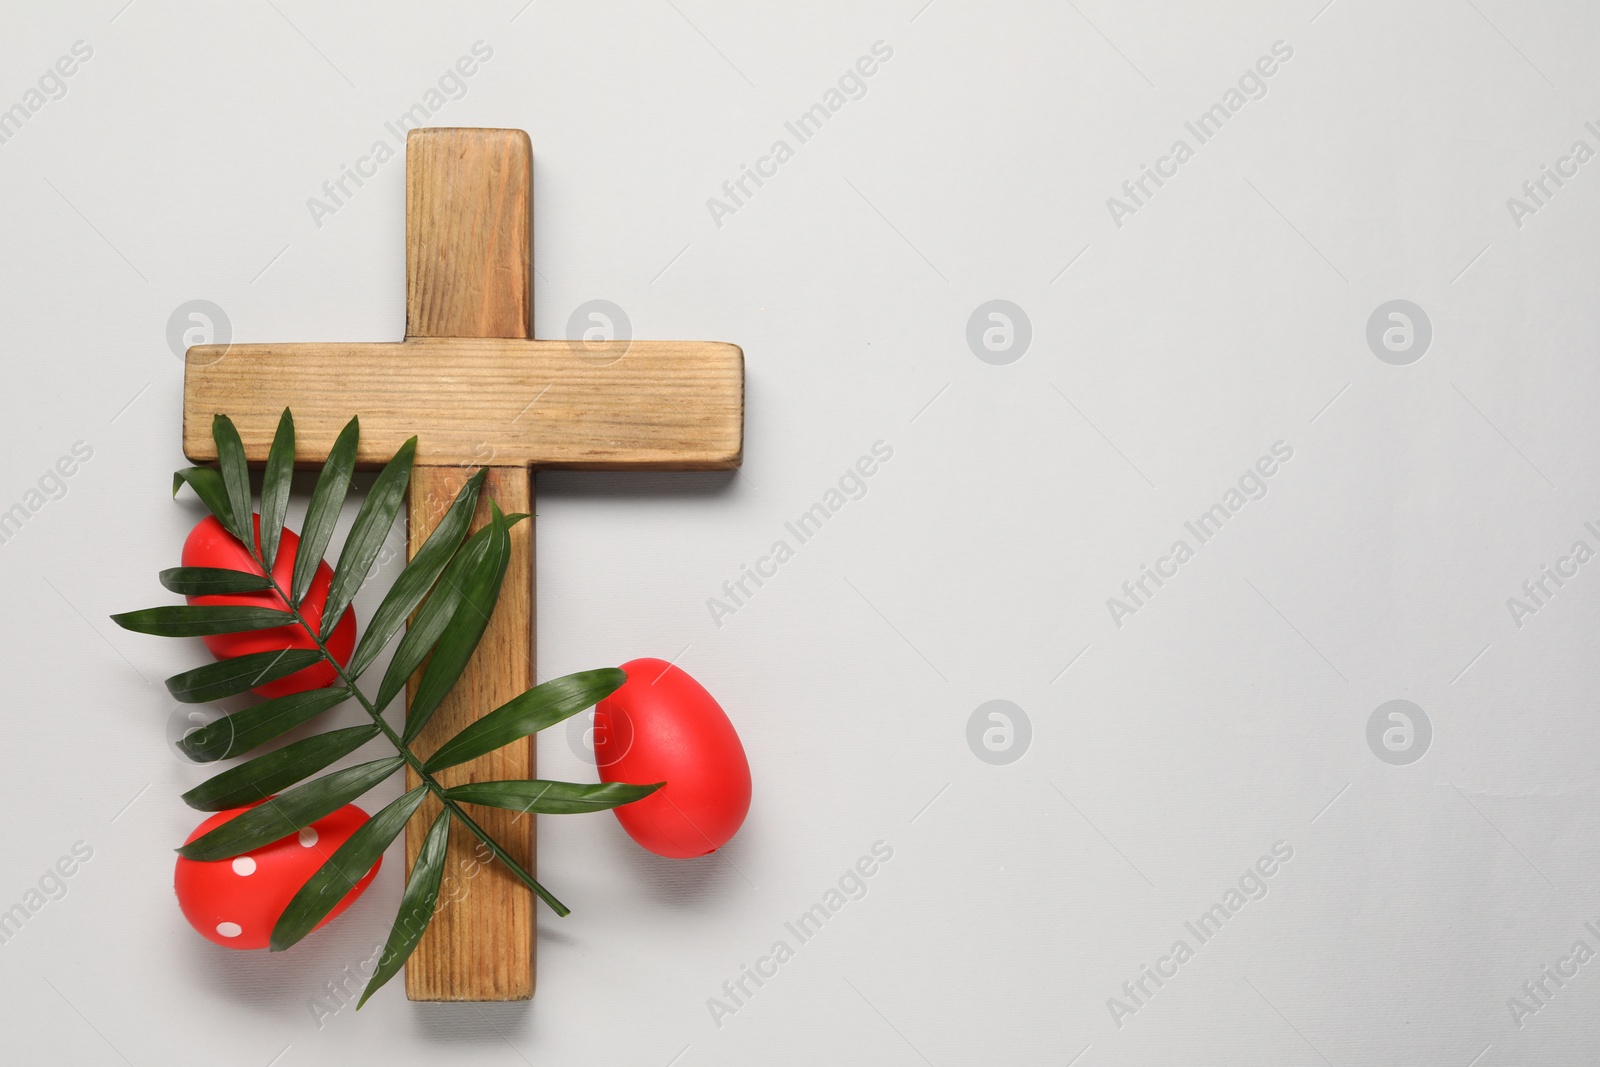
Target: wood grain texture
(481,943)
(469,196)
(662,405)
(469,237)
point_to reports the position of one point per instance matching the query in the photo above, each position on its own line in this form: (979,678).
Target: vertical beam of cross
(468,274)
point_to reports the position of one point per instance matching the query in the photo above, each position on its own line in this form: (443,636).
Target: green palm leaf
(479,592)
(367,533)
(543,705)
(207,485)
(235,476)
(323,512)
(294,810)
(451,588)
(418,577)
(263,776)
(212,581)
(238,733)
(201,620)
(416,906)
(227,677)
(275,488)
(550,798)
(435,615)
(347,866)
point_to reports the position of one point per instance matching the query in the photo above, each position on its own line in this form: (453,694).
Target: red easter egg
(209,545)
(662,726)
(236,902)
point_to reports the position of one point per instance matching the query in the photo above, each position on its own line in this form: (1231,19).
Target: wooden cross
(477,390)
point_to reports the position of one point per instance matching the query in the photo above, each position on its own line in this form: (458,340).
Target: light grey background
(1230,713)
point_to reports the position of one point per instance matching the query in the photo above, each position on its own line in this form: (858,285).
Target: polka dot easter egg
(236,902)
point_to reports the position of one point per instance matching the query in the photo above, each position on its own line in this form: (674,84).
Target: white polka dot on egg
(229,929)
(244,866)
(308,836)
